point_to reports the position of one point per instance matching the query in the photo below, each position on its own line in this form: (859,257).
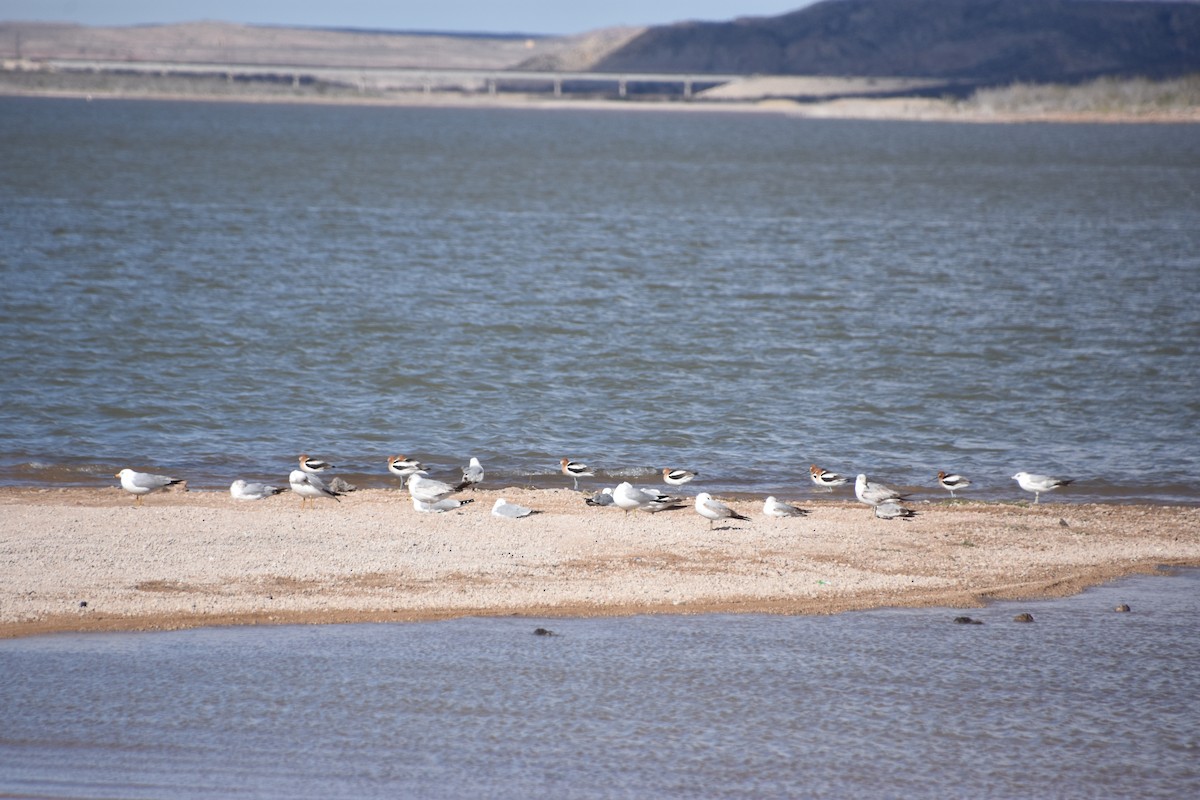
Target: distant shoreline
(90,560)
(892,109)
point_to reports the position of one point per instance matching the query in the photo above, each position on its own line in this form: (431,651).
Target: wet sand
(90,560)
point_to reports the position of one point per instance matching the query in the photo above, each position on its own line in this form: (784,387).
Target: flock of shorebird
(434,496)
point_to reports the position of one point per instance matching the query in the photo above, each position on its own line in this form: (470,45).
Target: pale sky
(479,16)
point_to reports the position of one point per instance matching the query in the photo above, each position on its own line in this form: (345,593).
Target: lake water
(1082,703)
(208,290)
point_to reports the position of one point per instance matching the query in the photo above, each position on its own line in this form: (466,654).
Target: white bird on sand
(240,490)
(428,490)
(774,508)
(952,483)
(1039,483)
(403,466)
(473,473)
(891,509)
(874,493)
(604,497)
(678,477)
(449,504)
(140,484)
(573,469)
(714,510)
(661,501)
(628,498)
(826,479)
(314,465)
(309,487)
(503,508)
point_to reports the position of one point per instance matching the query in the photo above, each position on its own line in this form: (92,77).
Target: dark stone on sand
(542,632)
(1122,608)
(968,621)
(83,603)
(341,486)
(1023,618)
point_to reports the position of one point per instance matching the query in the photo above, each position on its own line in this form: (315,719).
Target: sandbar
(88,559)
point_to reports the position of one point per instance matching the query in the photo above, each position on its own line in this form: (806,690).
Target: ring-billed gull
(314,465)
(1039,483)
(714,510)
(874,493)
(628,498)
(240,490)
(309,487)
(826,479)
(574,469)
(604,497)
(473,473)
(891,509)
(678,477)
(774,508)
(952,482)
(428,490)
(503,508)
(449,504)
(140,484)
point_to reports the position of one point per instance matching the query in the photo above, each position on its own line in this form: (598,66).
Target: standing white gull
(314,465)
(826,479)
(714,510)
(573,469)
(240,490)
(140,484)
(309,487)
(1039,483)
(473,473)
(428,490)
(628,498)
(952,483)
(774,508)
(503,508)
(874,493)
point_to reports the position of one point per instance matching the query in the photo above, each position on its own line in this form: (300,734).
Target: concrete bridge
(405,79)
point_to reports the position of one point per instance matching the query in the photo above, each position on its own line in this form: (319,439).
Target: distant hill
(228,43)
(980,41)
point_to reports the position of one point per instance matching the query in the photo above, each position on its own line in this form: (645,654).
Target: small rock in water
(968,621)
(542,632)
(1122,608)
(342,486)
(1023,618)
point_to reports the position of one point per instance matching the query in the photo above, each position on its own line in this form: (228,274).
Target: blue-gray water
(1082,703)
(208,290)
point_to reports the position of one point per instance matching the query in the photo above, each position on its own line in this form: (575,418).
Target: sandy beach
(90,560)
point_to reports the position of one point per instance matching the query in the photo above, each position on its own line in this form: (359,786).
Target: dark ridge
(982,41)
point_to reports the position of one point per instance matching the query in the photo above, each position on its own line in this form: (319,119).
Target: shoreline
(201,559)
(893,109)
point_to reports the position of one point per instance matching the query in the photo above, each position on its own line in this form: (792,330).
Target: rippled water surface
(208,290)
(1083,703)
